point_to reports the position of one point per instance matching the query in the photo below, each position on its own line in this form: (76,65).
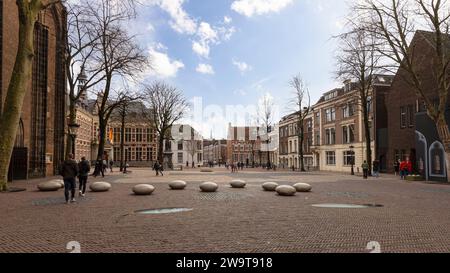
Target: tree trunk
(72,120)
(300,149)
(17,89)
(161,148)
(122,144)
(102,142)
(367,135)
(444,135)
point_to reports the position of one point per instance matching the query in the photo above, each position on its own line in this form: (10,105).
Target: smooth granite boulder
(178,185)
(49,186)
(238,184)
(209,187)
(206,170)
(270,186)
(100,187)
(143,189)
(286,190)
(303,187)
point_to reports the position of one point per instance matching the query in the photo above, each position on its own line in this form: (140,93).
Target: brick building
(39,147)
(411,132)
(215,151)
(289,154)
(339,137)
(244,145)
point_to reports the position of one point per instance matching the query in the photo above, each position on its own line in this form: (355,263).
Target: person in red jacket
(405,168)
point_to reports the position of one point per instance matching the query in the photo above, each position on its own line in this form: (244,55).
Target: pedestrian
(405,168)
(69,171)
(376,168)
(193,165)
(84,168)
(111,165)
(397,167)
(104,165)
(365,167)
(156,167)
(159,169)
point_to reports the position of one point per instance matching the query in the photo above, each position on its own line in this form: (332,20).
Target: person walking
(397,167)
(365,167)
(376,168)
(111,165)
(84,168)
(69,171)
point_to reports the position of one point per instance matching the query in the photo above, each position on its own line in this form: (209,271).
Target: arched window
(20,136)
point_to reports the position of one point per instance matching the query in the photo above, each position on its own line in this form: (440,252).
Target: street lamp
(352,159)
(73,131)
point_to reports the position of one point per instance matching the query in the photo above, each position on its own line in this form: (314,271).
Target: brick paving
(415,216)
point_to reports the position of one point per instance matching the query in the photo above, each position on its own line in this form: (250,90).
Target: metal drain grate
(222,196)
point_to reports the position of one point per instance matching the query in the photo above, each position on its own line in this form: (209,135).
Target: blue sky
(231,52)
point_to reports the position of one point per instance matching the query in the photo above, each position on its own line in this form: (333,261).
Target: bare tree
(28,11)
(192,145)
(265,114)
(82,72)
(168,105)
(302,101)
(394,22)
(118,55)
(359,60)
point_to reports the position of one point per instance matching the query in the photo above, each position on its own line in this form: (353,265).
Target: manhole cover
(162,211)
(221,196)
(345,206)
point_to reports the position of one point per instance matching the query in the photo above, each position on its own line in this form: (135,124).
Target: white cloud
(163,66)
(259,7)
(201,48)
(227,20)
(181,21)
(242,66)
(150,27)
(205,69)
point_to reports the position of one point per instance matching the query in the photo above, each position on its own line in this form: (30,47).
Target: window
(149,154)
(139,154)
(331,158)
(180,145)
(403,117)
(116,135)
(410,115)
(345,134)
(127,134)
(351,133)
(330,114)
(349,158)
(330,135)
(348,110)
(180,158)
(317,139)
(116,154)
(139,135)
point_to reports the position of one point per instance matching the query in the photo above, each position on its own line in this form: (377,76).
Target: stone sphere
(209,187)
(178,185)
(143,189)
(286,190)
(270,186)
(303,187)
(238,184)
(100,187)
(49,186)
(61,182)
(206,170)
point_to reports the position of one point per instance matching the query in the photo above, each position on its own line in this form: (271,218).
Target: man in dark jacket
(69,171)
(84,167)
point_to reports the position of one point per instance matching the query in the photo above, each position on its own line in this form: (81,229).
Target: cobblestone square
(414,217)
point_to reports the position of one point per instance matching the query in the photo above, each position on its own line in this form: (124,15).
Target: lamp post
(353,159)
(73,131)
